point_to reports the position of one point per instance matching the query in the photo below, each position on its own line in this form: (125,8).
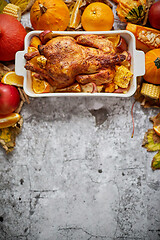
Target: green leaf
(151,141)
(156,162)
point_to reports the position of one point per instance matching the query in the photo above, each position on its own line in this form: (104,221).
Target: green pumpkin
(131,11)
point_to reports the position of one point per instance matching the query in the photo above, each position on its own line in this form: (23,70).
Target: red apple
(9,99)
(154,15)
(45,36)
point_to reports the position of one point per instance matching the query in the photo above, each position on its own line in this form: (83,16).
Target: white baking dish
(137,64)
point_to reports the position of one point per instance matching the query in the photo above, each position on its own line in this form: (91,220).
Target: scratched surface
(76,173)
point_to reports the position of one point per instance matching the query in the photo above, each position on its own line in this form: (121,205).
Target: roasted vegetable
(122,77)
(89,88)
(110,87)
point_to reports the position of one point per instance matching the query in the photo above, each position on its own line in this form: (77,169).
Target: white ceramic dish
(137,64)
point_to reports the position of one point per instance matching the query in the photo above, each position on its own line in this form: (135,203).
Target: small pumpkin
(152,65)
(131,10)
(49,15)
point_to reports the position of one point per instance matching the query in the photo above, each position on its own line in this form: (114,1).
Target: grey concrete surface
(76,173)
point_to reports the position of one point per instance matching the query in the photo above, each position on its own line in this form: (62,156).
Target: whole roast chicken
(86,58)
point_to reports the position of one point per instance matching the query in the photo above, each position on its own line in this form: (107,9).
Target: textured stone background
(76,173)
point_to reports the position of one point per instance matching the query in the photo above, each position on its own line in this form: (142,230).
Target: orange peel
(40,86)
(9,120)
(157,129)
(12,78)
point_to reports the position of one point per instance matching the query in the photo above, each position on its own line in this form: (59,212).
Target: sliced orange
(31,49)
(75,15)
(9,120)
(157,129)
(12,79)
(35,41)
(115,39)
(40,86)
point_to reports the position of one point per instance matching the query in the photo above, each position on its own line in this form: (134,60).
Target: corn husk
(23,4)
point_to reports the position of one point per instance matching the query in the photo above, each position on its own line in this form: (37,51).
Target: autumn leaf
(146,102)
(8,136)
(156,120)
(151,141)
(156,162)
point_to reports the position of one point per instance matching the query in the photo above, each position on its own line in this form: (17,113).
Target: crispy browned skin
(29,56)
(102,77)
(99,42)
(66,59)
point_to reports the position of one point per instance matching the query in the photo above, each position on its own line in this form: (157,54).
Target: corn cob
(122,76)
(23,4)
(13,10)
(150,90)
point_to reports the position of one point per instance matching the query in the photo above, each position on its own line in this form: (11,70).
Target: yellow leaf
(8,136)
(156,161)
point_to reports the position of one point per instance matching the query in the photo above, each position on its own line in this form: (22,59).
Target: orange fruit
(12,78)
(31,49)
(9,120)
(157,130)
(115,39)
(97,16)
(40,86)
(35,41)
(75,15)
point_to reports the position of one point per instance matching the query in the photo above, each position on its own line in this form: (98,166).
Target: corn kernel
(150,90)
(13,10)
(123,76)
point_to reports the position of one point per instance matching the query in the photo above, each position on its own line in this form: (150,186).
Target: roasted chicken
(87,58)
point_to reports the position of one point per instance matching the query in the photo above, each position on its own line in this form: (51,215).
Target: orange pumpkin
(49,15)
(152,64)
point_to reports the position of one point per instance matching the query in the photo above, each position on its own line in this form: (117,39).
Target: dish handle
(139,63)
(19,63)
